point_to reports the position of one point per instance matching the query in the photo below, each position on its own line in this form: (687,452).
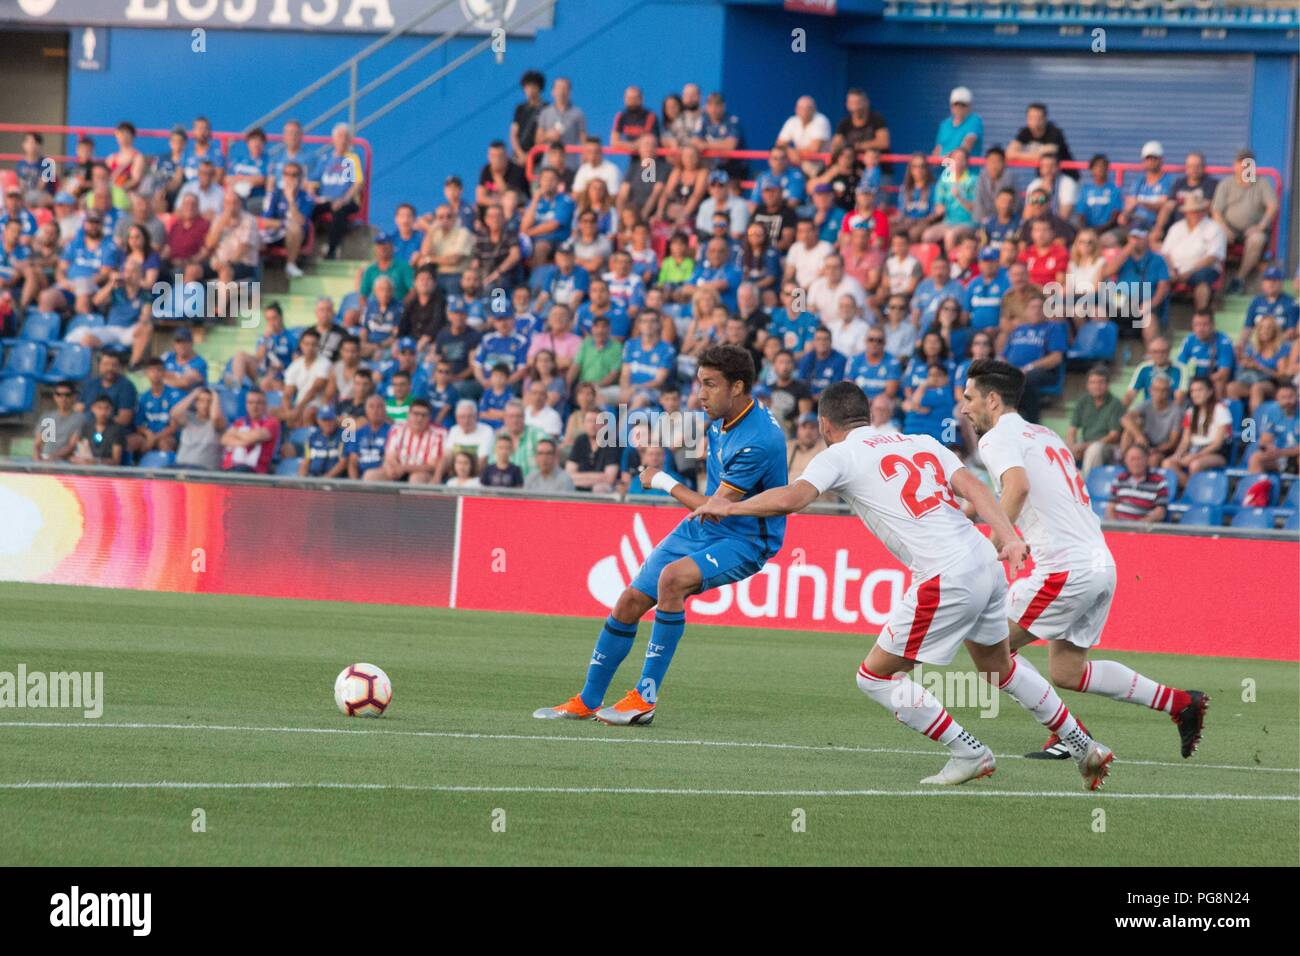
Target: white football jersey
(1057,519)
(898,486)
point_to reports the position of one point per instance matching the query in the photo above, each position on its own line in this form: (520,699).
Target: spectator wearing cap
(722,200)
(983,296)
(560,122)
(794,185)
(806,445)
(867,215)
(387,264)
(252,439)
(1096,423)
(1062,189)
(994,177)
(1154,424)
(962,128)
(206,188)
(826,216)
(523,126)
(285,215)
(1037,136)
(1100,202)
(864,256)
(1138,267)
(415,451)
(455,343)
(1207,353)
(85,265)
(1146,194)
(1272,301)
(1138,493)
(453,194)
(1193,180)
(595,166)
(805,133)
(1155,364)
(952,214)
(1195,248)
(68,218)
(549,478)
(449,247)
(1278,447)
(323,455)
(1245,208)
(184,368)
(233,243)
(774,215)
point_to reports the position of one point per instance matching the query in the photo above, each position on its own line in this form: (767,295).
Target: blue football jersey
(746,455)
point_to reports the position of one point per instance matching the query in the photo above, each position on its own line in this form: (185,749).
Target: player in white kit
(902,487)
(1066,598)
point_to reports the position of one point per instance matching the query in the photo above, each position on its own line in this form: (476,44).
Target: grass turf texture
(240,662)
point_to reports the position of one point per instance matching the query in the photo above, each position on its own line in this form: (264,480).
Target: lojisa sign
(325,16)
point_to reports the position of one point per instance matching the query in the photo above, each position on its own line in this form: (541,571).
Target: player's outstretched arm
(1003,534)
(775,501)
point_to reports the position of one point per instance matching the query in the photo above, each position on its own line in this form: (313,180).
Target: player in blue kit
(746,455)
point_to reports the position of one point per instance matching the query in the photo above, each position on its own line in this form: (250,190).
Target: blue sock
(611,647)
(667,631)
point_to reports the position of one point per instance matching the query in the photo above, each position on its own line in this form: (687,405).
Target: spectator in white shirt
(882,415)
(470,433)
(206,189)
(538,413)
(804,261)
(1195,248)
(722,199)
(596,166)
(848,330)
(903,270)
(806,132)
(824,294)
(305,381)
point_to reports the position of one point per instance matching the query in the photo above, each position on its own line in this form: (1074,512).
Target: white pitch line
(665,742)
(634,791)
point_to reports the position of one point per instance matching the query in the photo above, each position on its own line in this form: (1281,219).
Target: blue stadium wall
(1187,94)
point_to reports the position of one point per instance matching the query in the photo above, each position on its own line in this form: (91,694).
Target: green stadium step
(337,267)
(22,446)
(334,286)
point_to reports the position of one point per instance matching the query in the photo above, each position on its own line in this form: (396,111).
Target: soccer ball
(363,690)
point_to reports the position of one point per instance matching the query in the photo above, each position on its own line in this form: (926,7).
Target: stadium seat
(90,321)
(1253,518)
(38,327)
(298,437)
(24,358)
(274,400)
(350,301)
(1247,481)
(1099,481)
(1057,387)
(1292,522)
(17,395)
(1292,497)
(1206,488)
(1171,479)
(70,363)
(232,403)
(288,466)
(925,253)
(1099,507)
(157,459)
(1203,516)
(1095,342)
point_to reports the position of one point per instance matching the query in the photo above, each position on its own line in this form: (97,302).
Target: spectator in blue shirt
(1208,353)
(184,368)
(1036,347)
(1278,447)
(715,271)
(339,178)
(963,129)
(497,393)
(548,220)
(1272,301)
(365,451)
(1142,282)
(822,365)
(154,428)
(929,410)
(502,346)
(247,169)
(983,299)
(648,361)
(1004,224)
(1146,194)
(113,384)
(1100,202)
(324,455)
(932,290)
(875,371)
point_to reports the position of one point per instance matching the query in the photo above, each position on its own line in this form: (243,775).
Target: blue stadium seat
(1292,522)
(1095,342)
(1171,479)
(17,395)
(350,301)
(39,327)
(1253,518)
(157,459)
(1057,387)
(1099,481)
(1099,507)
(90,321)
(232,403)
(274,400)
(288,466)
(1203,515)
(24,358)
(71,363)
(1206,488)
(1246,481)
(1292,497)
(299,436)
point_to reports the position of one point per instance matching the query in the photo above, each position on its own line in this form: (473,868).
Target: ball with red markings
(363,690)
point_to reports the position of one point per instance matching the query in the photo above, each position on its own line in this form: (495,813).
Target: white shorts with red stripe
(967,602)
(1064,605)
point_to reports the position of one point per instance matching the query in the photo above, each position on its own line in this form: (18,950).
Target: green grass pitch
(763,751)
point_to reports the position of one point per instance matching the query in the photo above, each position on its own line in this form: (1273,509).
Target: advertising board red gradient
(259,540)
(1226,597)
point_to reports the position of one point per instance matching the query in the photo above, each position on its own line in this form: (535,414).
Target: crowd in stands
(492,329)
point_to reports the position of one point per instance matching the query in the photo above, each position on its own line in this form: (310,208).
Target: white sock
(1112,679)
(1030,690)
(916,707)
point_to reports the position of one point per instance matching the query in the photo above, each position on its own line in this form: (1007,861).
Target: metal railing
(226,138)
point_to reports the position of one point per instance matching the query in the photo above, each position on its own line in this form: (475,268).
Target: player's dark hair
(844,405)
(994,375)
(533,78)
(735,364)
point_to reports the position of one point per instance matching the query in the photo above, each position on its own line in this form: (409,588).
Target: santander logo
(790,588)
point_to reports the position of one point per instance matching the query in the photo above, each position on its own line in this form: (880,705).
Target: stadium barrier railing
(1119,170)
(225,137)
(392,543)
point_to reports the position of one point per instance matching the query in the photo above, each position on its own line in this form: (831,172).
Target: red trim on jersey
(938,731)
(1045,596)
(927,602)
